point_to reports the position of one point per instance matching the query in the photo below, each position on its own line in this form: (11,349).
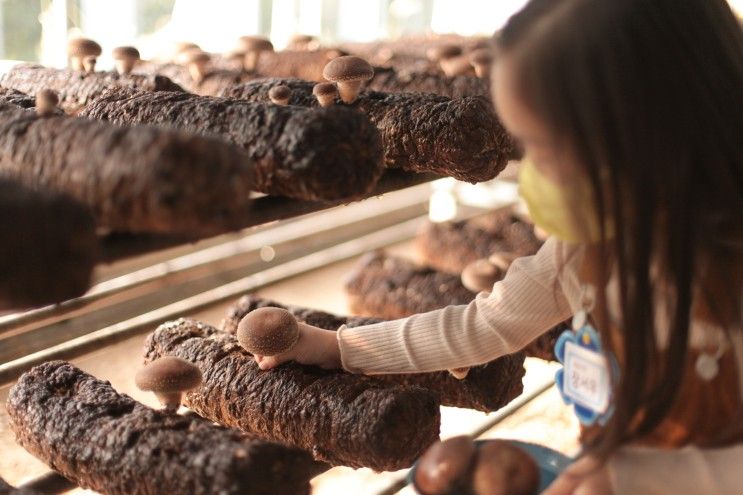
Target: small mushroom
(268,331)
(480,275)
(503,260)
(444,466)
(46,102)
(80,49)
(197,62)
(325,93)
(125,58)
(504,469)
(253,46)
(540,233)
(348,72)
(168,377)
(280,95)
(481,59)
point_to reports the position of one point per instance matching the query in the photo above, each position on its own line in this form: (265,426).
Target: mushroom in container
(268,331)
(169,378)
(445,466)
(83,53)
(348,72)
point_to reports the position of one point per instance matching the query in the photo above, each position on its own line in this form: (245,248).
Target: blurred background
(37,30)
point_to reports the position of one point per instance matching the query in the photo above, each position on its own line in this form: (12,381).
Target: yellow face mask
(566,212)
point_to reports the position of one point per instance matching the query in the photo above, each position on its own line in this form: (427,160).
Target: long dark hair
(649,93)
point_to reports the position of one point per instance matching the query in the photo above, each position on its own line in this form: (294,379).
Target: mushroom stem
(459,373)
(89,64)
(481,70)
(325,100)
(250,61)
(349,90)
(197,70)
(124,66)
(170,401)
(77,63)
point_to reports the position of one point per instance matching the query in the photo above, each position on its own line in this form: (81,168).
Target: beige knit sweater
(537,293)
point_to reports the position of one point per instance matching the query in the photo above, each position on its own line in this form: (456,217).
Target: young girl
(630,113)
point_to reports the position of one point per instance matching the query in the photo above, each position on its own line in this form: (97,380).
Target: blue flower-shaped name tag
(585,380)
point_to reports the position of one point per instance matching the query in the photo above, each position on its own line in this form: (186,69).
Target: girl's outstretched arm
(530,300)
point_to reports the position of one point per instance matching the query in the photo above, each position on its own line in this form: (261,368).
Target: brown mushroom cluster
(458,465)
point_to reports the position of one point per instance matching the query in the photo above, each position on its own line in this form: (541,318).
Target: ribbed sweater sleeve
(526,303)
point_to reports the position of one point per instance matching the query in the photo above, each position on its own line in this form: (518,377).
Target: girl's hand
(315,346)
(584,477)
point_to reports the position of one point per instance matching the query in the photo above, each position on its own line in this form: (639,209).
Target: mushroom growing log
(134,179)
(408,81)
(451,246)
(49,247)
(342,419)
(77,88)
(332,154)
(485,388)
(461,137)
(106,441)
(389,287)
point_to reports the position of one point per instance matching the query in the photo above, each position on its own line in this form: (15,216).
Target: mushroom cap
(125,52)
(168,374)
(268,331)
(280,92)
(47,96)
(444,464)
(83,47)
(441,52)
(182,46)
(480,275)
(254,43)
(482,56)
(324,89)
(348,68)
(504,468)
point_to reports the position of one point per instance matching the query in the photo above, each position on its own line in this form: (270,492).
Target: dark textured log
(389,287)
(328,154)
(342,419)
(48,247)
(485,388)
(82,428)
(133,179)
(451,246)
(423,133)
(6,489)
(411,81)
(301,64)
(14,97)
(77,88)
